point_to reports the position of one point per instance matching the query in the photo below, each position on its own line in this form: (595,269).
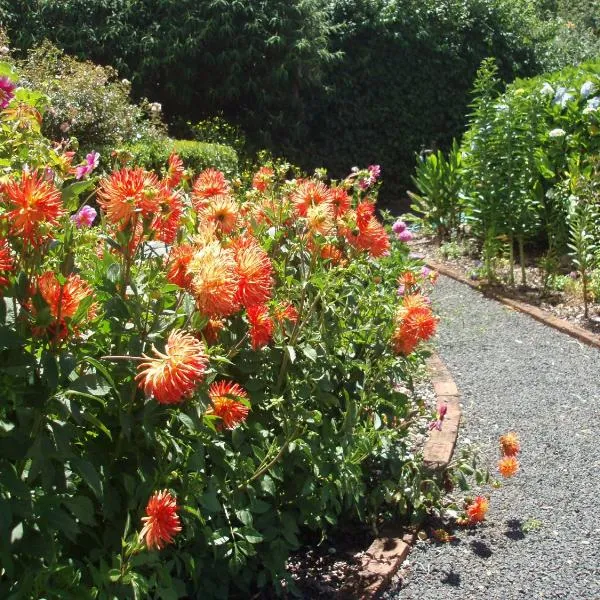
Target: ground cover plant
(194,371)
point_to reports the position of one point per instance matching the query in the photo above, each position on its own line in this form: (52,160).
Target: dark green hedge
(333,82)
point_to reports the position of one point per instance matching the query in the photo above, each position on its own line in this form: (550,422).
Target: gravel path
(542,536)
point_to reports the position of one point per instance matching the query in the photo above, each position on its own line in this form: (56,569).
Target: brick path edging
(536,313)
(386,554)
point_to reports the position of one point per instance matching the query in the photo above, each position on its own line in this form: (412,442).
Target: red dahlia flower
(161,522)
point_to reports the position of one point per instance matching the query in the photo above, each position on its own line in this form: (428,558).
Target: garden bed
(565,304)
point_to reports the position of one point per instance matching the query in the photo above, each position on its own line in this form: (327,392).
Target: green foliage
(439,182)
(153,154)
(333,81)
(522,152)
(87,102)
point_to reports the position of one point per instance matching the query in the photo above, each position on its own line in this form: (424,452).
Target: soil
(562,304)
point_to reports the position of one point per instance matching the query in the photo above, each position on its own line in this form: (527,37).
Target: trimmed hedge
(195,155)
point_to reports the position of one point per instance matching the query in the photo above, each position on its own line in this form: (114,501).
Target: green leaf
(310,353)
(88,473)
(82,508)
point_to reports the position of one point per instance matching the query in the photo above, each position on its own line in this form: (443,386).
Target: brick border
(385,555)
(536,313)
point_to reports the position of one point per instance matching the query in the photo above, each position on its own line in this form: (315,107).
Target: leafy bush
(195,378)
(439,182)
(153,154)
(530,156)
(87,102)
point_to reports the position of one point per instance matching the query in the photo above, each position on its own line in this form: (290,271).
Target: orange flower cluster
(33,208)
(415,322)
(128,194)
(261,326)
(161,522)
(229,402)
(510,447)
(173,375)
(262,179)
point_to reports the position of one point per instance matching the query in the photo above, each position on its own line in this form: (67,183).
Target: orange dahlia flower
(173,375)
(33,205)
(208,184)
(228,403)
(161,522)
(261,326)
(340,200)
(220,211)
(286,312)
(320,219)
(262,179)
(126,192)
(414,325)
(477,510)
(254,270)
(509,444)
(212,330)
(175,170)
(169,209)
(508,466)
(177,265)
(333,253)
(310,193)
(215,280)
(6,262)
(63,300)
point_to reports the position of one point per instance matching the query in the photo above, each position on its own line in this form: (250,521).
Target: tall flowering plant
(192,374)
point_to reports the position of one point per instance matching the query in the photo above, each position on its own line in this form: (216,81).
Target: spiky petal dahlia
(173,375)
(509,444)
(126,192)
(340,200)
(169,209)
(508,466)
(220,212)
(34,206)
(177,265)
(175,170)
(63,300)
(477,509)
(215,280)
(6,263)
(228,401)
(369,235)
(310,193)
(413,326)
(262,179)
(208,184)
(261,326)
(254,270)
(161,522)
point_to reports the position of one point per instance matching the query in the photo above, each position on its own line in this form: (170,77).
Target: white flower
(547,90)
(558,132)
(562,97)
(156,107)
(501,107)
(587,89)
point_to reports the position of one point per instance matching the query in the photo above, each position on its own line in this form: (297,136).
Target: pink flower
(7,92)
(91,162)
(399,226)
(441,414)
(401,289)
(405,236)
(84,217)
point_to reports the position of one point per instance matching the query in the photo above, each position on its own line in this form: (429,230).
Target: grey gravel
(542,536)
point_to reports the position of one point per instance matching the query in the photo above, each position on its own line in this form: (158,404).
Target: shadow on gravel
(481,549)
(515,530)
(451,578)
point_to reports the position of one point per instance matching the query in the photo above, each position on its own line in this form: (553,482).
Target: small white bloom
(587,89)
(547,90)
(156,107)
(558,132)
(562,97)
(501,107)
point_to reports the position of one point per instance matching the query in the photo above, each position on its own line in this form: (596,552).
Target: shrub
(196,378)
(87,102)
(154,153)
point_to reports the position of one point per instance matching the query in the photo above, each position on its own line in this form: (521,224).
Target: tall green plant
(439,181)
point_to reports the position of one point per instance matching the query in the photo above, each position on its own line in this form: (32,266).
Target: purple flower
(7,92)
(405,236)
(91,162)
(425,271)
(84,217)
(398,226)
(375,171)
(401,289)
